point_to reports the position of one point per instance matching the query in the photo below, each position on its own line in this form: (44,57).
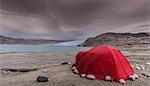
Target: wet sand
(61,75)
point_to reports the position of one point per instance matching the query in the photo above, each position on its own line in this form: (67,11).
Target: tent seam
(113,61)
(121,64)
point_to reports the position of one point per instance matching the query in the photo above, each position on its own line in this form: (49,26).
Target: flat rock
(90,76)
(42,79)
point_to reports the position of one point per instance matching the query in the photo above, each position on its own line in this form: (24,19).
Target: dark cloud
(70,19)
(24,7)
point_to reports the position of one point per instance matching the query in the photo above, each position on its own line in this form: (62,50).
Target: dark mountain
(119,39)
(10,40)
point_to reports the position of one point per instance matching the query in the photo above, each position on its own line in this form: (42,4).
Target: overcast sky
(72,19)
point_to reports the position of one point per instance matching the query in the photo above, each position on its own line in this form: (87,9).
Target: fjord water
(40,48)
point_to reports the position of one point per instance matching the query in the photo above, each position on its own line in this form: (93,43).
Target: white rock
(75,71)
(83,75)
(132,77)
(122,81)
(74,68)
(90,76)
(136,76)
(107,78)
(148,63)
(45,70)
(137,67)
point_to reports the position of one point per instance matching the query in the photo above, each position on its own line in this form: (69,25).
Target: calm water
(40,48)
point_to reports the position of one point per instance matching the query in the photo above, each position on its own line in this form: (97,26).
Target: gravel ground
(61,75)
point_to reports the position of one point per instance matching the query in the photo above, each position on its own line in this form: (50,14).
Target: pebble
(122,81)
(42,79)
(64,63)
(145,73)
(45,70)
(132,77)
(75,71)
(74,68)
(137,67)
(90,76)
(148,63)
(69,63)
(83,75)
(108,78)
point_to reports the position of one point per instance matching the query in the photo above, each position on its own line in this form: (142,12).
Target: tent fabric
(103,61)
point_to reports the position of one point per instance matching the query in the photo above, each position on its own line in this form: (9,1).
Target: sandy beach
(61,75)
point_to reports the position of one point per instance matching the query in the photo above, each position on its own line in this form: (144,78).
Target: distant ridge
(119,39)
(10,40)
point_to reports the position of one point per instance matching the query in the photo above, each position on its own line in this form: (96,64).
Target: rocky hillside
(119,39)
(9,40)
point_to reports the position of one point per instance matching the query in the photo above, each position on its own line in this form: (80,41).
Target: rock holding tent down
(122,81)
(83,75)
(42,79)
(73,68)
(108,78)
(75,71)
(90,76)
(132,77)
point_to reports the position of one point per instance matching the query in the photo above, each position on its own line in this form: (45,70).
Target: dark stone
(64,63)
(147,74)
(42,79)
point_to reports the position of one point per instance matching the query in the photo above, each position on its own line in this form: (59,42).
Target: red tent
(104,61)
